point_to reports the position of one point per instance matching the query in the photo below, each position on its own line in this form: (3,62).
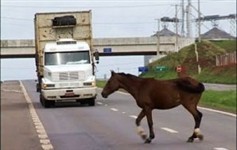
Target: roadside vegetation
(222,100)
(164,68)
(186,57)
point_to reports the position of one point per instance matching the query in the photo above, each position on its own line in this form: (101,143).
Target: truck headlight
(89,83)
(45,86)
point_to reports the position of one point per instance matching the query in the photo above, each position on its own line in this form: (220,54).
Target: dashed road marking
(114,109)
(220,148)
(44,140)
(169,130)
(99,103)
(133,116)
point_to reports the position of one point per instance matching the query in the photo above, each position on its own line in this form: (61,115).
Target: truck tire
(91,102)
(46,103)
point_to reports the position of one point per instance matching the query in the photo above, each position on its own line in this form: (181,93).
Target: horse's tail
(189,87)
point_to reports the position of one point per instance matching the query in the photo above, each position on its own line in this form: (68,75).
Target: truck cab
(68,73)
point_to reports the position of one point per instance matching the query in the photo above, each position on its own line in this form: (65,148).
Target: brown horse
(158,94)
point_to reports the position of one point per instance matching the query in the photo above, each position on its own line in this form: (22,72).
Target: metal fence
(227,59)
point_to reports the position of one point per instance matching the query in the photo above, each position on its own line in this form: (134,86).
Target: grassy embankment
(187,58)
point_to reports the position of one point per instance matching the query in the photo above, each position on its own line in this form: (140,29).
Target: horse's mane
(128,75)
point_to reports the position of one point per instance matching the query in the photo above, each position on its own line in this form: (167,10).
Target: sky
(110,19)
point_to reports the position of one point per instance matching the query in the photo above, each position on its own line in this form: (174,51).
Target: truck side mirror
(96,55)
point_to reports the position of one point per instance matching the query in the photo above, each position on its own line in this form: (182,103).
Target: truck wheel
(91,102)
(46,103)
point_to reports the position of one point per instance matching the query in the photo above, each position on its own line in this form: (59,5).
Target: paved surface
(110,125)
(17,129)
(220,87)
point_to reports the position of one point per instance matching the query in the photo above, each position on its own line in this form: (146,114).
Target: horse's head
(111,86)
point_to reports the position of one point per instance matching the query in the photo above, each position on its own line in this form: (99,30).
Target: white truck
(64,57)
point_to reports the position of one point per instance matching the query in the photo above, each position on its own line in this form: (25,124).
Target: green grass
(222,100)
(228,45)
(224,75)
(100,83)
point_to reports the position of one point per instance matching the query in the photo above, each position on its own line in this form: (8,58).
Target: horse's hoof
(200,137)
(144,136)
(147,141)
(190,140)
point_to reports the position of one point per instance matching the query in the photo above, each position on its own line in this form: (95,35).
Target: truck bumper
(69,94)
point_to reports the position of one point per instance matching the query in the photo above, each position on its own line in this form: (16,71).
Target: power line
(104,7)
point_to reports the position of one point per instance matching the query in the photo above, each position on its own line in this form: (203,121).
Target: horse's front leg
(140,130)
(148,113)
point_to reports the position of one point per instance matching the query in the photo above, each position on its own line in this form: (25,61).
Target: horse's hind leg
(197,115)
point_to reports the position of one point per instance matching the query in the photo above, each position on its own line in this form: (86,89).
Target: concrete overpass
(118,46)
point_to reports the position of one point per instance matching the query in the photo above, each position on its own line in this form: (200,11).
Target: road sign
(143,69)
(107,50)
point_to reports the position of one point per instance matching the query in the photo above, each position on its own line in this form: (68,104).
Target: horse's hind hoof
(200,137)
(190,140)
(147,141)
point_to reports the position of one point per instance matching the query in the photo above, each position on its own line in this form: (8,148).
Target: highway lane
(111,125)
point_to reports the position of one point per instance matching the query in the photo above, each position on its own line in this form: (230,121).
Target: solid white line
(169,130)
(45,142)
(114,109)
(218,111)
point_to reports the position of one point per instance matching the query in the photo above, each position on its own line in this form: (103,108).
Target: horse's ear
(112,72)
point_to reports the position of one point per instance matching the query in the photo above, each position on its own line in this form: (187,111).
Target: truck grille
(64,76)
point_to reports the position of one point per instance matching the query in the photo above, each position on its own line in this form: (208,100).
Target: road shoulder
(17,128)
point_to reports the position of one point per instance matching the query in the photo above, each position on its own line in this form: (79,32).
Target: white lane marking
(123,112)
(114,109)
(169,130)
(124,93)
(99,103)
(218,111)
(106,105)
(133,116)
(43,137)
(220,148)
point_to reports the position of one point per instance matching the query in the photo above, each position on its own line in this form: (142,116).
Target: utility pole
(188,21)
(182,27)
(158,37)
(199,22)
(176,27)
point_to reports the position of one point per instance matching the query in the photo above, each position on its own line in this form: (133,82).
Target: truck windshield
(67,58)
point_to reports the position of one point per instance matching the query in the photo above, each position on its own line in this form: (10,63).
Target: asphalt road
(110,125)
